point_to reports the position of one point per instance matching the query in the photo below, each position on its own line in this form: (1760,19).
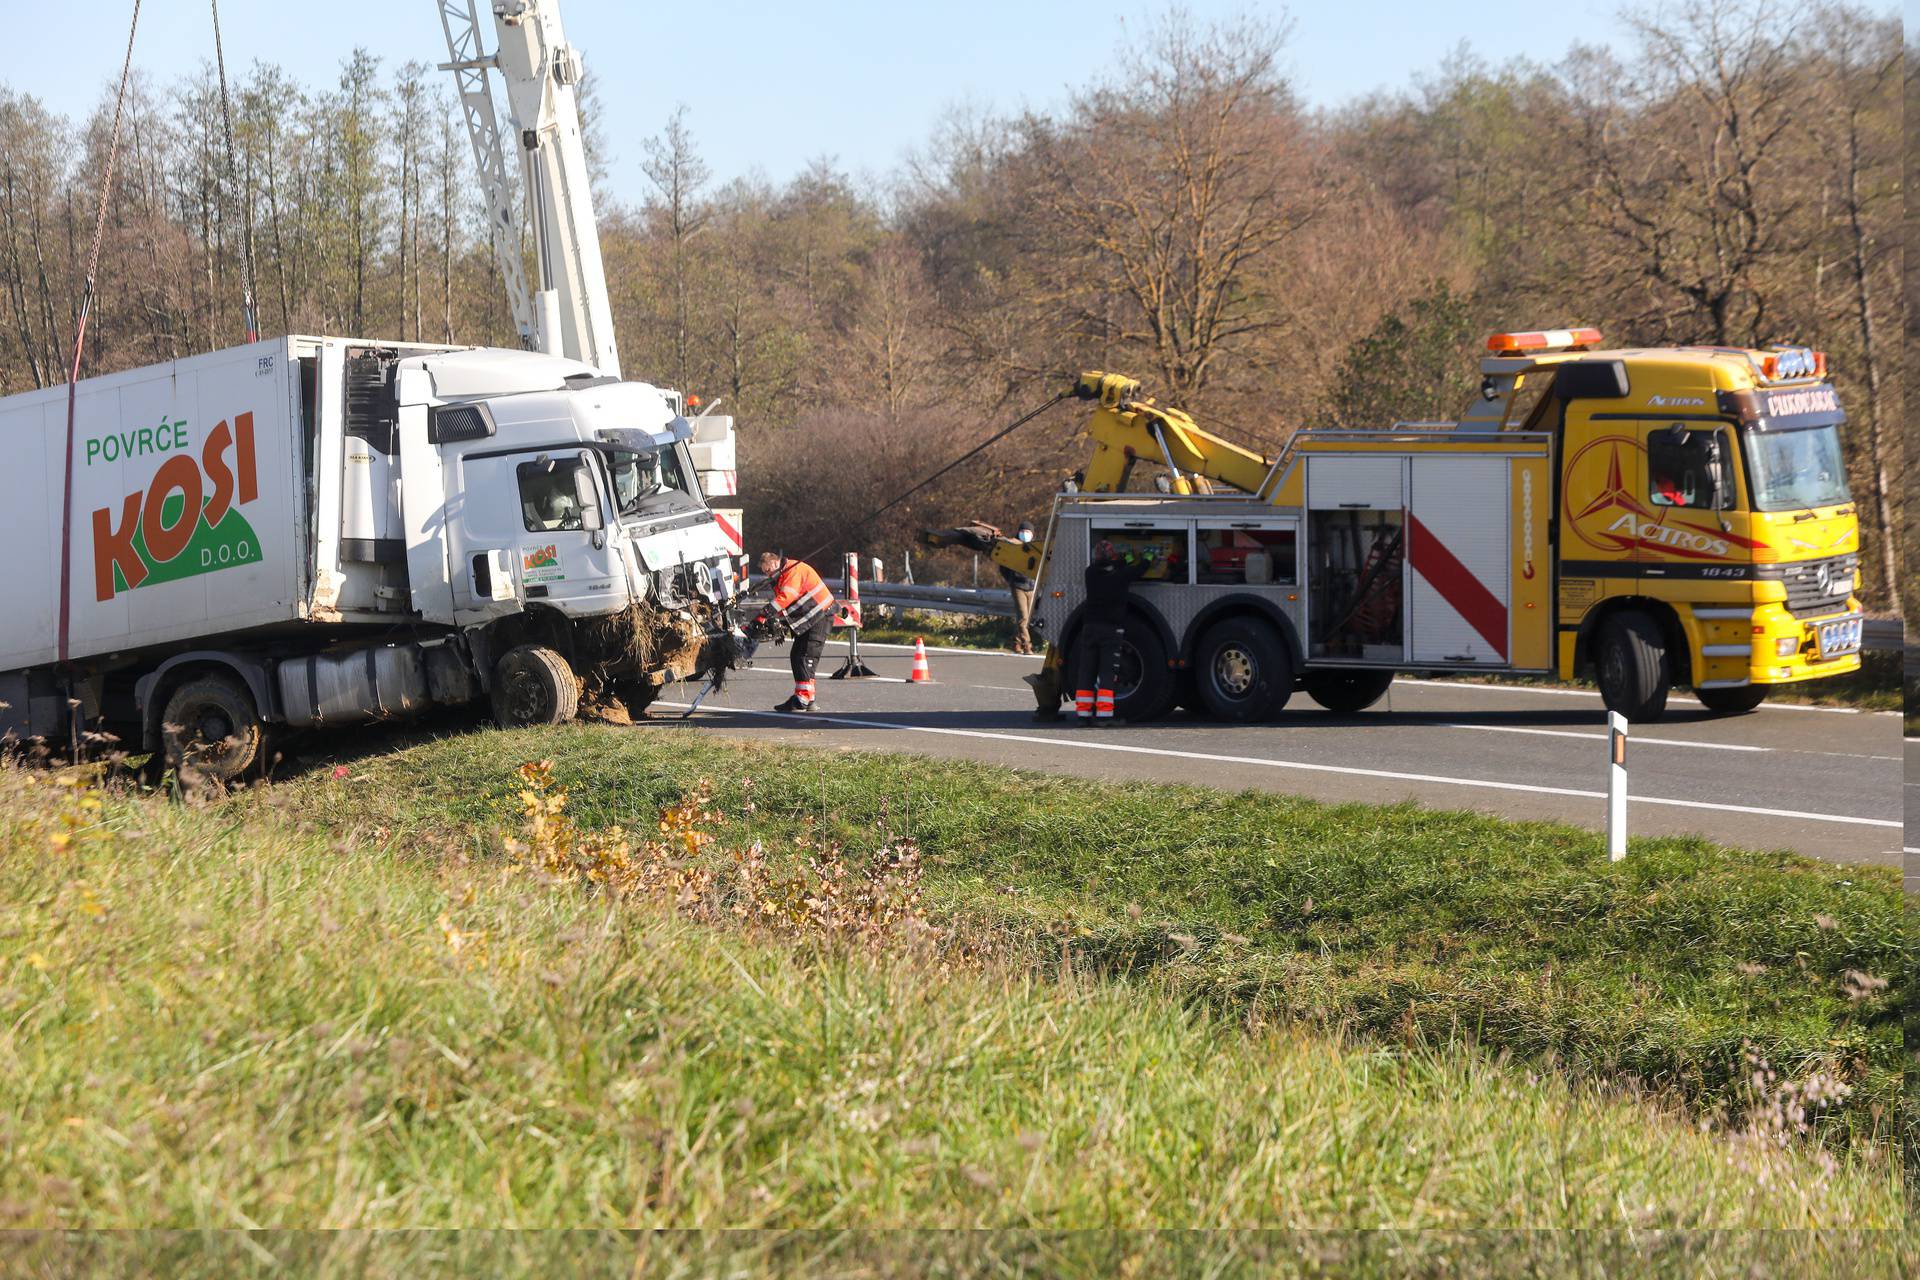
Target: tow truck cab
(1704,528)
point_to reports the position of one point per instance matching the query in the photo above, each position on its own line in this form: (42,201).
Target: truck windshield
(644,480)
(1788,470)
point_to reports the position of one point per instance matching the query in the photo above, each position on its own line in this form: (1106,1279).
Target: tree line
(1732,175)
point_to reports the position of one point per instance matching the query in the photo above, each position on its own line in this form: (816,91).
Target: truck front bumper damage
(659,646)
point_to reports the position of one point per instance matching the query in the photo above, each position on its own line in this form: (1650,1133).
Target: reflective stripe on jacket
(799,595)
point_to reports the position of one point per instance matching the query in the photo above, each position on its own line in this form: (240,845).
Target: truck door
(527,516)
(1603,505)
(1459,556)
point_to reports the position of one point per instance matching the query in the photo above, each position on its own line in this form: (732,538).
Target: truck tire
(211,730)
(1632,665)
(1244,670)
(1347,692)
(533,685)
(1732,702)
(1151,694)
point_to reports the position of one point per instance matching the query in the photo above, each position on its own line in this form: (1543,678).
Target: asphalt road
(1824,782)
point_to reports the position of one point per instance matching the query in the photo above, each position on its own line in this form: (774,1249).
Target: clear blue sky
(771,85)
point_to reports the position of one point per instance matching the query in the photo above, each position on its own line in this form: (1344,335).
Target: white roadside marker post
(1616,786)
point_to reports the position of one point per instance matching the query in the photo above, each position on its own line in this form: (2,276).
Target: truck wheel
(1732,702)
(211,730)
(1244,671)
(1145,689)
(1633,670)
(534,685)
(1348,691)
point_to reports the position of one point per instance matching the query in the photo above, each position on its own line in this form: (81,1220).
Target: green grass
(1396,924)
(328,1009)
(1007,1254)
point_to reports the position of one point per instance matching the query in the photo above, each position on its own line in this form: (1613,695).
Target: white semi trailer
(323,531)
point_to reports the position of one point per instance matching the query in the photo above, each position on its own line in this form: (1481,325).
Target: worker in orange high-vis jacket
(804,607)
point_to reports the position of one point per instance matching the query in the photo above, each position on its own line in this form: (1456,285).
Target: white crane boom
(568,312)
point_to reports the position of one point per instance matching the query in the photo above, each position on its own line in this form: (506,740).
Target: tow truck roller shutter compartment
(1458,596)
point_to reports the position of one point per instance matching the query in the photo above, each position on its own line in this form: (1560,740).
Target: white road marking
(1440,779)
(1634,739)
(1594,693)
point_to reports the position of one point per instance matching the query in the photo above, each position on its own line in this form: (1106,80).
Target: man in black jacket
(1102,630)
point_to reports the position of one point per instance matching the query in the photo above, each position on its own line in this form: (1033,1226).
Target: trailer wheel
(211,731)
(534,685)
(1347,692)
(1732,702)
(1244,671)
(1633,669)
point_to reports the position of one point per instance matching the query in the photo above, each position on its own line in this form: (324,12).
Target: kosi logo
(187,521)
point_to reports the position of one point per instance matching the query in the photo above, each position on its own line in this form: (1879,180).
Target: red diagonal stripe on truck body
(1467,594)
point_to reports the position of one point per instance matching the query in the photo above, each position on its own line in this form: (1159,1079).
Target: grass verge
(1399,924)
(260,1016)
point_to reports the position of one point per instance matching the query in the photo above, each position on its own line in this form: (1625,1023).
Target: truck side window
(1228,555)
(547,496)
(1168,547)
(1685,468)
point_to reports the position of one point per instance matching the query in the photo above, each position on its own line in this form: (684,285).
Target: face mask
(1026,535)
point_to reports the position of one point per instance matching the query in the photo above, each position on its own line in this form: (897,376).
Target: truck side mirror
(1717,472)
(587,494)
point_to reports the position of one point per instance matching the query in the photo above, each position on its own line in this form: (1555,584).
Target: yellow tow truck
(1653,516)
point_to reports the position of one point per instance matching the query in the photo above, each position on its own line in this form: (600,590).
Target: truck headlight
(1786,646)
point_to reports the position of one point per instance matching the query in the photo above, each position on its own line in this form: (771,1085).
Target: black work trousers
(808,645)
(1096,667)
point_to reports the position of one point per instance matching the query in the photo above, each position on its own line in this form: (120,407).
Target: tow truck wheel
(1145,688)
(1346,692)
(1244,671)
(211,730)
(1732,702)
(534,685)
(1633,669)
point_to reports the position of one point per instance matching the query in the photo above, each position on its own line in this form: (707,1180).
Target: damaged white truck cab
(320,531)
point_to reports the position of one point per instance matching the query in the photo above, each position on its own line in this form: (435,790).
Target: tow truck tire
(1244,671)
(1347,692)
(533,685)
(1631,662)
(210,728)
(1732,702)
(1152,695)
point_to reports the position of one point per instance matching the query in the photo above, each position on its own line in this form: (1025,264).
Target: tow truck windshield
(1795,469)
(647,482)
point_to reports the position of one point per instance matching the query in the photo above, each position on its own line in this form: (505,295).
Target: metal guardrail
(933,597)
(1884,635)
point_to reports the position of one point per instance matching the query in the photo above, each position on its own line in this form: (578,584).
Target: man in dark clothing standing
(1102,630)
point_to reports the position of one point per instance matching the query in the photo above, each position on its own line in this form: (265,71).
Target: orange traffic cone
(920,673)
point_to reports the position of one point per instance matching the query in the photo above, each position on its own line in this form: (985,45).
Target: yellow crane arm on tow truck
(1124,429)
